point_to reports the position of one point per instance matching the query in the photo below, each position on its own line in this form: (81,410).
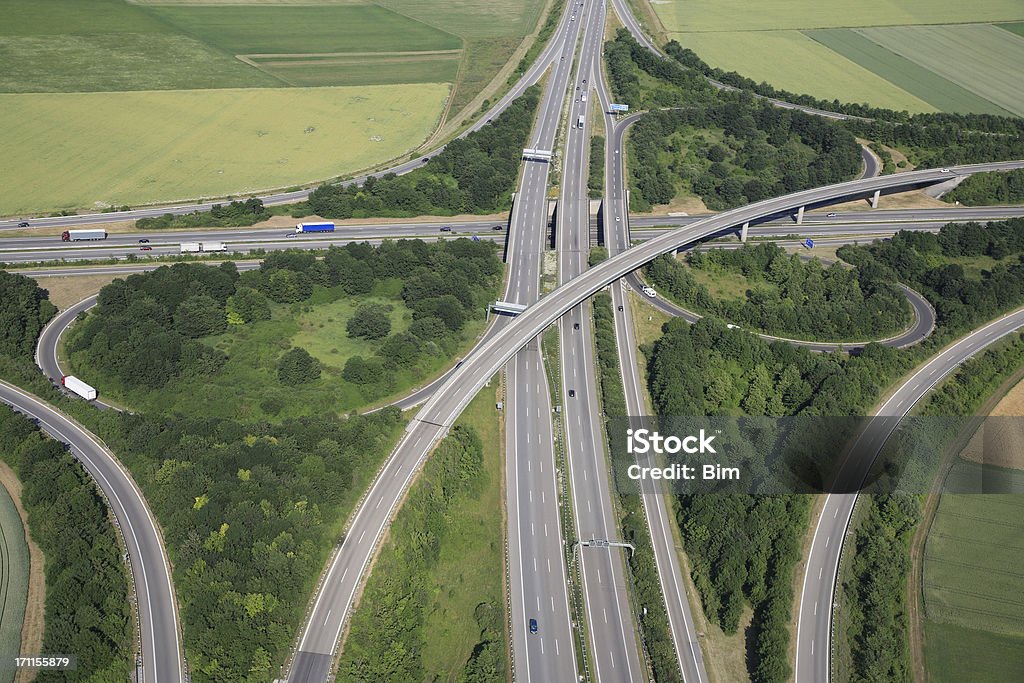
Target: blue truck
(314,227)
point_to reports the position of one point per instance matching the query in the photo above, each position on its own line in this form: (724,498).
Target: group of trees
(788,296)
(743,547)
(387,641)
(474,174)
(983,189)
(927,262)
(235,214)
(24,310)
(87,607)
(725,147)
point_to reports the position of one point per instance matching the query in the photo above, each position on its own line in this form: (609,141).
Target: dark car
(575,326)
(572,393)
(620,308)
(143,241)
(23,224)
(533,625)
(426,159)
(498,227)
(146,248)
(446,228)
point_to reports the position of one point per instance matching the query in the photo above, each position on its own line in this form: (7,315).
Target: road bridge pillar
(800,216)
(743,231)
(874,199)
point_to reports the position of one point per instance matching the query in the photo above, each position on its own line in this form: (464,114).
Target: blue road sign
(618,108)
(809,243)
(476,238)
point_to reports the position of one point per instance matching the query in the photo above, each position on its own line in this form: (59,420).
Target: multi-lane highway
(814,625)
(657,513)
(538,590)
(614,653)
(162,654)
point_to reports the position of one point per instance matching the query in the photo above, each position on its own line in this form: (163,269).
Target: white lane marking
(327,617)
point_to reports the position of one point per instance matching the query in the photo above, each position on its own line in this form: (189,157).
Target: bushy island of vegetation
(782,294)
(240,448)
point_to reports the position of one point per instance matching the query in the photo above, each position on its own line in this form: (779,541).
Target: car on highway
(446,228)
(831,214)
(533,625)
(649,291)
(144,241)
(620,308)
(572,393)
(575,326)
(498,227)
(23,224)
(944,170)
(426,159)
(146,247)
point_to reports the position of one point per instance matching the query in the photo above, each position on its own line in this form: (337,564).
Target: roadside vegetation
(475,174)
(235,214)
(643,569)
(206,341)
(595,176)
(986,189)
(781,294)
(434,607)
(87,606)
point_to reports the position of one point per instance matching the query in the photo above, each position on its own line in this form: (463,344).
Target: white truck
(202,247)
(79,387)
(82,235)
(579,121)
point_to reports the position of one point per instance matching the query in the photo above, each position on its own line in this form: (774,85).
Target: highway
(657,512)
(614,650)
(162,654)
(537,570)
(814,625)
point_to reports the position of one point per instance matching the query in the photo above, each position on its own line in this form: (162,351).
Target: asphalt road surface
(814,625)
(162,656)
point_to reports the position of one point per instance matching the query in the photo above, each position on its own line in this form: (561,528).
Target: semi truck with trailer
(78,387)
(82,235)
(202,247)
(314,227)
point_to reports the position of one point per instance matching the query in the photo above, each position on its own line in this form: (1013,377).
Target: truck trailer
(202,247)
(79,387)
(81,235)
(314,227)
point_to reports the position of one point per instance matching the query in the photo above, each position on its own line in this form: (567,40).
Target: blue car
(533,625)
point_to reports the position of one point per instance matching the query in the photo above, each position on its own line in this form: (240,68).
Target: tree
(249,304)
(199,316)
(298,367)
(370,321)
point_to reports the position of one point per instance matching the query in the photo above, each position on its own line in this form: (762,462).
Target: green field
(319,70)
(90,149)
(742,15)
(917,55)
(973,569)
(981,58)
(954,654)
(915,79)
(14,568)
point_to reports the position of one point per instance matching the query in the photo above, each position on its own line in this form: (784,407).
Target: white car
(945,170)
(649,291)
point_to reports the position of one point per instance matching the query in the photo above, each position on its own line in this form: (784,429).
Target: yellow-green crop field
(917,55)
(92,149)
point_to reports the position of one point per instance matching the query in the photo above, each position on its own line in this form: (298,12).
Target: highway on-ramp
(814,625)
(162,655)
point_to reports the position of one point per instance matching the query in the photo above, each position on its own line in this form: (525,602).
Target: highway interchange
(537,559)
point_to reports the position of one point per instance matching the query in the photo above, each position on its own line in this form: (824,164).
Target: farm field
(973,583)
(14,568)
(456,47)
(903,54)
(139,147)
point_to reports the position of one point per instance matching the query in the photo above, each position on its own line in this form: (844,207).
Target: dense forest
(148,328)
(725,147)
(387,641)
(474,174)
(985,189)
(937,265)
(87,607)
(788,296)
(743,547)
